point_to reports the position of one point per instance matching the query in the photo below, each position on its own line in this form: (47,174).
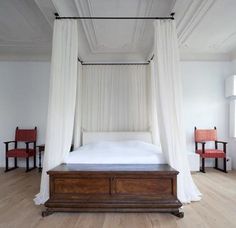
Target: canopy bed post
(169,102)
(62,100)
(106,188)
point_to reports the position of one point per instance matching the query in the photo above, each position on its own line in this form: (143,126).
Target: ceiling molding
(25,56)
(223,43)
(25,32)
(48,9)
(147,13)
(85,8)
(233,55)
(193,56)
(25,44)
(191,17)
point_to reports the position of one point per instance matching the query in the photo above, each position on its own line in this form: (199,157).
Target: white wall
(23,99)
(232,144)
(204,103)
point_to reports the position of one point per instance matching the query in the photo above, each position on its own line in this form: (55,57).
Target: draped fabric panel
(62,99)
(167,84)
(114,98)
(78,111)
(152,107)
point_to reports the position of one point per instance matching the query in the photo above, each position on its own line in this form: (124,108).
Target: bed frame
(113,188)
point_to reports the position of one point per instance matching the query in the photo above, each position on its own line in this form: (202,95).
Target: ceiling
(206,28)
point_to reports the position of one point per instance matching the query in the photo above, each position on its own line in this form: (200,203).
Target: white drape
(152,107)
(114,98)
(78,111)
(62,99)
(167,84)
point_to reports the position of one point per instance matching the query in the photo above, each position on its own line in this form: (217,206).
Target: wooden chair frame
(27,143)
(202,169)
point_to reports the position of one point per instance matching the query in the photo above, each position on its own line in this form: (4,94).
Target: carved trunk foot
(47,212)
(179,214)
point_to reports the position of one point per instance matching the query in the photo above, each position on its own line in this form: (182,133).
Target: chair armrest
(224,145)
(9,142)
(203,143)
(221,142)
(27,145)
(203,146)
(29,142)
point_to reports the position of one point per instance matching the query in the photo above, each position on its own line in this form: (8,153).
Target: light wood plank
(216,209)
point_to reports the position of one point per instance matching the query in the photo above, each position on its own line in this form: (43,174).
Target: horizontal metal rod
(86,64)
(118,18)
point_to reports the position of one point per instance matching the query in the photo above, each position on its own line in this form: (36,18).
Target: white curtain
(167,84)
(152,107)
(62,99)
(114,98)
(78,111)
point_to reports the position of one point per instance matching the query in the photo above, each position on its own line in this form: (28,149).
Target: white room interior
(206,60)
(207,43)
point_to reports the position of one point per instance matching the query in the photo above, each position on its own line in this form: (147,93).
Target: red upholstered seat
(20,153)
(211,153)
(27,136)
(202,136)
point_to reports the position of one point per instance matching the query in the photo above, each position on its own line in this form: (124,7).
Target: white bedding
(120,152)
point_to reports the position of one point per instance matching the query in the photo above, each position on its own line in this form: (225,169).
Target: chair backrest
(205,135)
(24,135)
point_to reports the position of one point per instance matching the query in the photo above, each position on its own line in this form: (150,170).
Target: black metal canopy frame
(117,18)
(171,17)
(146,63)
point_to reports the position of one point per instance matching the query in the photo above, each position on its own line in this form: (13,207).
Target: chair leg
(7,169)
(7,164)
(27,164)
(15,161)
(216,163)
(203,165)
(225,165)
(35,161)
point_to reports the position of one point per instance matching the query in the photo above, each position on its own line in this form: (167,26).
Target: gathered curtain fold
(62,100)
(169,106)
(77,138)
(114,98)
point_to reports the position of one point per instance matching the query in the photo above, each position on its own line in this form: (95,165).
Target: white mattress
(95,137)
(121,152)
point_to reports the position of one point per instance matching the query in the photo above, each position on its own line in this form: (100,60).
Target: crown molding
(231,37)
(25,57)
(84,8)
(191,16)
(48,9)
(89,27)
(233,55)
(194,56)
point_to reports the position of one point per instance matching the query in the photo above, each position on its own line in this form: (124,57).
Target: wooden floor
(217,209)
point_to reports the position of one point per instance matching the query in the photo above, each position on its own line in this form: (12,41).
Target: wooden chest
(119,188)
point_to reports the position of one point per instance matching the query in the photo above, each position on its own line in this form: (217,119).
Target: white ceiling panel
(216,32)
(23,28)
(116,40)
(206,28)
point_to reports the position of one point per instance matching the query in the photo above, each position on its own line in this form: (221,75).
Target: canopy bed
(97,178)
(129,119)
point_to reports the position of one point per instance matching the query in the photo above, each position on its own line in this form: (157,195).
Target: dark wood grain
(82,186)
(143,186)
(118,187)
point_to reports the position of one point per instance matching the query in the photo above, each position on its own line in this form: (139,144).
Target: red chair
(28,136)
(202,136)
